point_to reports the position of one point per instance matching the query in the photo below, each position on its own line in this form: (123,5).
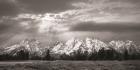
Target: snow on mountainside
(94,45)
(128,45)
(90,45)
(30,45)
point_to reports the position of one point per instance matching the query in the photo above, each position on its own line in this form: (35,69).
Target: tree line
(25,55)
(102,54)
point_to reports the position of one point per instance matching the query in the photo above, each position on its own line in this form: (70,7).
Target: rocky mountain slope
(90,45)
(29,45)
(94,45)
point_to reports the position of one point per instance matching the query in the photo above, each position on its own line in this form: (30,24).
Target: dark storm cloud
(9,26)
(131,1)
(8,8)
(14,7)
(12,29)
(43,6)
(110,27)
(9,29)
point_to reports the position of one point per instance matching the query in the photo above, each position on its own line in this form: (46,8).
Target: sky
(59,20)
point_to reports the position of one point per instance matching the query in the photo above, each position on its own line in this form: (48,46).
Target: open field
(70,65)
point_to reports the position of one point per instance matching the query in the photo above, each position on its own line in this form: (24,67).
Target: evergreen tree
(22,55)
(34,56)
(126,55)
(47,55)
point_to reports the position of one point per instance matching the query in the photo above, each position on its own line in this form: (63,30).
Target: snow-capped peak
(94,45)
(89,45)
(30,45)
(74,44)
(120,46)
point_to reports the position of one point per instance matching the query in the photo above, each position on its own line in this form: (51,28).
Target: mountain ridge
(94,45)
(90,45)
(30,45)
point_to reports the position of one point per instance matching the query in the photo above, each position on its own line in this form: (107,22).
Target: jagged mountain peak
(94,45)
(119,43)
(121,46)
(75,44)
(29,45)
(90,45)
(30,41)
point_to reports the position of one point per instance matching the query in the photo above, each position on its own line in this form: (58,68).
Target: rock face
(121,46)
(94,45)
(32,46)
(90,45)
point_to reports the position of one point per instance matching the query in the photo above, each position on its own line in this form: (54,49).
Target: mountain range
(32,46)
(90,45)
(94,45)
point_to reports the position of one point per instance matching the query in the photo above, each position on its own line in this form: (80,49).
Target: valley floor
(70,65)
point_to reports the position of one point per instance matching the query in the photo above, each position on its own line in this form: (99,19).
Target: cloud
(9,26)
(101,35)
(89,10)
(130,1)
(52,18)
(46,23)
(83,11)
(8,8)
(13,30)
(9,29)
(106,27)
(43,6)
(108,10)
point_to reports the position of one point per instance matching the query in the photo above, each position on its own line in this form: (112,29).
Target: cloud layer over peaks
(49,20)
